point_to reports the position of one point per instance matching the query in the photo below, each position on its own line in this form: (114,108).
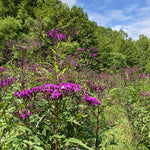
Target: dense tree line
(28,20)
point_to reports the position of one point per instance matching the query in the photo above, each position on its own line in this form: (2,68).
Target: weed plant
(65,102)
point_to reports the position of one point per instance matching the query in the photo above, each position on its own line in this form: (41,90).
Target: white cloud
(144,11)
(117,15)
(137,28)
(133,20)
(132,8)
(134,29)
(107,17)
(69,2)
(97,18)
(117,27)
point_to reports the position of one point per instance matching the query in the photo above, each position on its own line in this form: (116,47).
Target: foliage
(54,93)
(10,29)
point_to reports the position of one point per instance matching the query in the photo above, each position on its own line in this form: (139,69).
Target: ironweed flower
(2,69)
(94,54)
(55,91)
(7,82)
(91,100)
(76,53)
(96,49)
(22,115)
(93,86)
(26,94)
(81,49)
(52,33)
(144,93)
(61,36)
(56,35)
(143,76)
(61,90)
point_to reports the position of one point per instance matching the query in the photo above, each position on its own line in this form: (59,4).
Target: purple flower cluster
(61,36)
(33,68)
(144,93)
(73,63)
(55,91)
(95,86)
(52,33)
(6,82)
(76,53)
(69,57)
(2,69)
(26,94)
(142,76)
(91,48)
(100,88)
(23,47)
(94,54)
(23,115)
(91,100)
(91,52)
(81,49)
(61,90)
(55,34)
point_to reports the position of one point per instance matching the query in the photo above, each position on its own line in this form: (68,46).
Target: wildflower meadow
(67,83)
(61,103)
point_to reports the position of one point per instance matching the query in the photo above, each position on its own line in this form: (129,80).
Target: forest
(67,83)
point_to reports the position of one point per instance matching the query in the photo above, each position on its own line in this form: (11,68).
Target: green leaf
(49,76)
(90,131)
(44,35)
(114,91)
(8,128)
(38,148)
(62,56)
(55,66)
(76,141)
(58,44)
(79,116)
(73,121)
(28,142)
(62,72)
(58,136)
(2,104)
(40,120)
(23,128)
(48,73)
(33,144)
(39,60)
(53,50)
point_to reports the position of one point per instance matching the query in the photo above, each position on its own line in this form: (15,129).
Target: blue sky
(132,16)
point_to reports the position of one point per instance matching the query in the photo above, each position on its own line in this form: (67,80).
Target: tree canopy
(24,19)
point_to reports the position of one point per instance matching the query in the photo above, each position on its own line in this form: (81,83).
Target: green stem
(97,128)
(56,128)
